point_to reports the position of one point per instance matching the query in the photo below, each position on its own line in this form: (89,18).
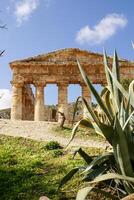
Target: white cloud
(5,98)
(106,28)
(24,9)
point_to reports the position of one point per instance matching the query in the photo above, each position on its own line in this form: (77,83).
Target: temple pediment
(66,57)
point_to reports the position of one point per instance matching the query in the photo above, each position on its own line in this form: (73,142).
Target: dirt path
(42,131)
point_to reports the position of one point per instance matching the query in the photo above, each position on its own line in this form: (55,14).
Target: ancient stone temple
(58,67)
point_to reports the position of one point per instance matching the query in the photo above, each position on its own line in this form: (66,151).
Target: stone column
(16,108)
(62,99)
(87,96)
(39,102)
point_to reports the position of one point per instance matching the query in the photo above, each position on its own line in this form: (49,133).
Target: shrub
(57,152)
(114,120)
(52,145)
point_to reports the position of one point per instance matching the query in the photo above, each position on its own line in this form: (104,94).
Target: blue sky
(39,26)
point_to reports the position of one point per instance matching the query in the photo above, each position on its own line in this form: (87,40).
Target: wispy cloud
(5,98)
(24,9)
(106,28)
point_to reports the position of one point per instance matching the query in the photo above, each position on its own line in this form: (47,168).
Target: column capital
(62,84)
(82,84)
(39,83)
(17,84)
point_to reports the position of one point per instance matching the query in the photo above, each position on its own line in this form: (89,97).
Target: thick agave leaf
(83,193)
(88,107)
(99,160)
(68,176)
(109,176)
(104,90)
(115,72)
(100,128)
(88,159)
(131,93)
(130,140)
(105,130)
(84,122)
(98,111)
(95,93)
(75,109)
(122,150)
(93,173)
(115,68)
(118,85)
(128,109)
(127,121)
(91,112)
(109,104)
(121,114)
(108,77)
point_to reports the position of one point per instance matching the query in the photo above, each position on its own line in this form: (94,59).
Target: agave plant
(115,122)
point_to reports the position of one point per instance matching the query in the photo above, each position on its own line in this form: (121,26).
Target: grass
(28,171)
(83,133)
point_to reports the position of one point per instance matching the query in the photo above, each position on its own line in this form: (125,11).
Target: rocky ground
(43,131)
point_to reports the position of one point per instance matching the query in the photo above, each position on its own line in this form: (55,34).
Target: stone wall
(51,112)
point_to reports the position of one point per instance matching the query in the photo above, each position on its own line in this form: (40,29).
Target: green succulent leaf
(118,85)
(131,93)
(95,93)
(122,149)
(116,74)
(93,173)
(81,122)
(99,160)
(88,159)
(68,176)
(108,77)
(83,193)
(129,118)
(109,176)
(105,130)
(75,109)
(109,103)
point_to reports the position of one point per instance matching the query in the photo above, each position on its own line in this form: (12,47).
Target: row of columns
(17,104)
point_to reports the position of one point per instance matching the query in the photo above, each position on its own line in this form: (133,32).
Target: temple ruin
(58,67)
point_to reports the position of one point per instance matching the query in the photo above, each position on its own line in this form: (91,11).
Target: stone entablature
(58,67)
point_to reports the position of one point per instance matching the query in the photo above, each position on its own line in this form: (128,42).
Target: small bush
(57,152)
(52,145)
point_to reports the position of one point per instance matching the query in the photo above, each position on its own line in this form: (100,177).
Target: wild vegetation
(28,170)
(82,133)
(113,119)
